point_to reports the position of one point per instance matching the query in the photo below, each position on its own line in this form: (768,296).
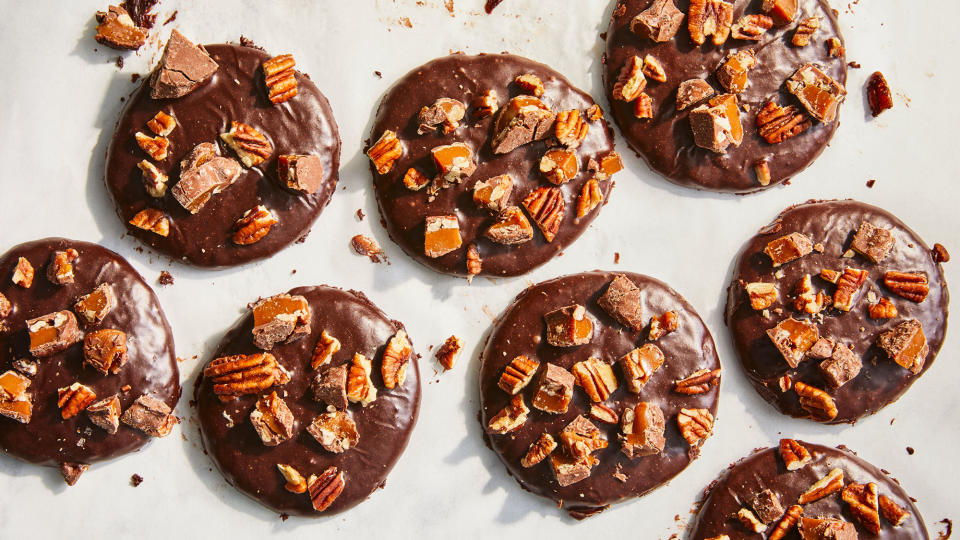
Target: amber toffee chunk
(615,438)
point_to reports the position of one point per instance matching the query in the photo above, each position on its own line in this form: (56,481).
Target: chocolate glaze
(833,223)
(302,125)
(765,470)
(463,77)
(151,367)
(384,425)
(520,330)
(666,142)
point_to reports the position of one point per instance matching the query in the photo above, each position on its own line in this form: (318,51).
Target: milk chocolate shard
(622,301)
(183,67)
(203,174)
(280,318)
(524,119)
(52,333)
(151,416)
(118,31)
(300,173)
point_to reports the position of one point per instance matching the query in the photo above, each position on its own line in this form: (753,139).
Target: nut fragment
(630,82)
(323,351)
(272,419)
(106,413)
(693,91)
(539,450)
(448,352)
(603,414)
(280,78)
(485,104)
(554,390)
(360,388)
(910,285)
(242,374)
(60,268)
(596,377)
(872,242)
(155,147)
(893,512)
(415,180)
(23,273)
(368,247)
(805,31)
(522,120)
(385,152)
(568,326)
(639,365)
(695,425)
(518,374)
(786,524)
(117,30)
(709,18)
(815,401)
(643,107)
(105,350)
(474,263)
(762,170)
(663,324)
(73,399)
(621,301)
(559,165)
(750,521)
(906,345)
(829,484)
(280,318)
(494,193)
(659,22)
(71,472)
(849,284)
(530,84)
(251,146)
(570,128)
(762,295)
(879,97)
(883,309)
(590,197)
(863,502)
(698,382)
(5,307)
(510,418)
(325,488)
(153,220)
(396,357)
(751,27)
(253,225)
(795,455)
(162,124)
(793,338)
(545,206)
(52,333)
(817,91)
(335,431)
(296,483)
(653,69)
(302,173)
(777,124)
(806,299)
(580,438)
(642,430)
(441,235)
(788,248)
(154,181)
(511,227)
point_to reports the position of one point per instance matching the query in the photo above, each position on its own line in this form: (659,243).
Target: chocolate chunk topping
(183,67)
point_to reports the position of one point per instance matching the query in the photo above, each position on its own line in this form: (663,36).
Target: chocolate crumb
(491,5)
(134,77)
(378,74)
(947,528)
(139,11)
(616,257)
(360,214)
(871,182)
(910,450)
(854,65)
(284,516)
(136,480)
(171,18)
(367,246)
(165,278)
(119,62)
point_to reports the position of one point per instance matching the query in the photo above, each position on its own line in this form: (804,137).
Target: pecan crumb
(448,352)
(364,245)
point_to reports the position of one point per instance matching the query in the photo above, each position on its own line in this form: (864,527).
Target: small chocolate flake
(871,182)
(910,450)
(136,480)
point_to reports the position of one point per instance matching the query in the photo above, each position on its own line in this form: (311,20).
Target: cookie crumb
(871,182)
(165,278)
(136,480)
(360,214)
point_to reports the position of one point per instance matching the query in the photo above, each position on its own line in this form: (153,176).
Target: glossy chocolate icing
(666,142)
(765,470)
(150,369)
(521,330)
(463,77)
(302,125)
(833,223)
(384,425)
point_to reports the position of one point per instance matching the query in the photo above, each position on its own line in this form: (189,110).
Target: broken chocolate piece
(93,307)
(642,428)
(788,248)
(105,350)
(842,366)
(106,413)
(639,365)
(441,235)
(203,174)
(272,420)
(522,120)
(330,386)
(151,416)
(659,22)
(554,390)
(183,67)
(445,114)
(622,301)
(716,124)
(52,333)
(118,31)
(793,339)
(335,431)
(817,91)
(693,91)
(872,242)
(300,173)
(568,326)
(906,345)
(280,318)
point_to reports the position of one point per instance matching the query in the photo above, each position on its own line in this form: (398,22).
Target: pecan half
(596,377)
(545,206)
(360,388)
(695,425)
(590,197)
(795,455)
(510,418)
(603,414)
(653,69)
(153,220)
(630,82)
(709,18)
(815,401)
(474,263)
(850,282)
(698,382)
(829,484)
(253,225)
(643,107)
(325,488)
(539,450)
(777,124)
(242,374)
(251,146)
(396,356)
(385,152)
(883,309)
(910,285)
(73,399)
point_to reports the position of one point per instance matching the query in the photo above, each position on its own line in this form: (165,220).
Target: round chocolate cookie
(214,180)
(730,152)
(488,164)
(772,492)
(337,429)
(82,340)
(645,397)
(853,314)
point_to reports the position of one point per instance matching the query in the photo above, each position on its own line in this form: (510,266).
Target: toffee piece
(488,164)
(587,434)
(773,104)
(77,356)
(836,308)
(209,165)
(310,428)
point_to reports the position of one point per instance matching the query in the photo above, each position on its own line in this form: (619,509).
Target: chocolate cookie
(836,308)
(310,400)
(738,113)
(488,164)
(805,490)
(238,165)
(646,372)
(87,359)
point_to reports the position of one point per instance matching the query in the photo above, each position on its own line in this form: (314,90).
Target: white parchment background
(60,97)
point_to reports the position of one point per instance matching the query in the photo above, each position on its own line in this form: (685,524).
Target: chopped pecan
(590,197)
(883,309)
(695,425)
(530,84)
(663,324)
(643,107)
(52,333)
(162,124)
(335,431)
(795,455)
(659,22)
(296,483)
(849,283)
(15,402)
(539,450)
(709,18)
(751,27)
(253,225)
(733,69)
(806,299)
(511,227)
(621,301)
(805,31)
(117,30)
(323,351)
(842,366)
(106,413)
(485,104)
(762,170)
(360,388)
(910,285)
(788,248)
(879,97)
(639,365)
(299,172)
(244,374)
(603,414)
(494,193)
(325,488)
(415,180)
(750,521)
(60,269)
(829,484)
(782,11)
(793,338)
(906,345)
(155,147)
(522,120)
(568,326)
(693,91)
(643,427)
(23,273)
(581,438)
(596,377)
(766,505)
(183,67)
(251,146)
(594,113)
(272,419)
(872,242)
(474,263)
(71,472)
(864,505)
(817,91)
(448,352)
(154,181)
(630,82)
(396,357)
(73,399)
(830,275)
(105,350)
(545,206)
(368,247)
(280,318)
(5,307)
(441,235)
(777,124)
(280,78)
(153,220)
(385,152)
(698,382)
(716,124)
(510,418)
(787,523)
(329,385)
(815,401)
(762,295)
(554,390)
(893,512)
(653,69)
(940,254)
(559,165)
